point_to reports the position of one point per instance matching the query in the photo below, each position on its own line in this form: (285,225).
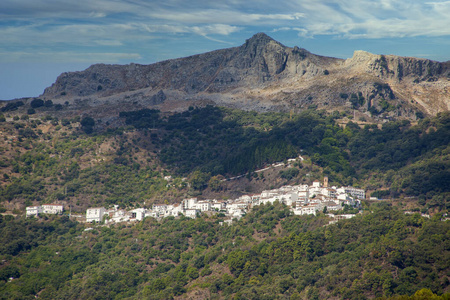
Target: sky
(40,39)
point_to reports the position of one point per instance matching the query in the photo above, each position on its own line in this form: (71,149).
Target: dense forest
(268,254)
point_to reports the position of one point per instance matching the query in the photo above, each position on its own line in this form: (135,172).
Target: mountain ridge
(263,74)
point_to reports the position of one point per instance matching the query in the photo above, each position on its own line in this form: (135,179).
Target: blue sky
(39,39)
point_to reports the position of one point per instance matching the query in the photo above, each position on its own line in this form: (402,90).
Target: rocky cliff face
(263,74)
(260,60)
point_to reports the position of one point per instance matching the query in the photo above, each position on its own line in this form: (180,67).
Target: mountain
(264,75)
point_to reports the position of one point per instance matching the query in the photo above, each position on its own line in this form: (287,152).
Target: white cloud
(377,19)
(109,43)
(340,17)
(220,29)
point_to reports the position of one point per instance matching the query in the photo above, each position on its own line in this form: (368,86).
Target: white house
(203,205)
(236,209)
(138,213)
(245,198)
(238,213)
(316,183)
(95,214)
(191,213)
(153,214)
(52,208)
(331,205)
(268,194)
(159,208)
(343,197)
(219,205)
(176,210)
(341,217)
(34,210)
(119,215)
(301,188)
(309,209)
(189,203)
(358,193)
(303,195)
(330,192)
(289,199)
(271,200)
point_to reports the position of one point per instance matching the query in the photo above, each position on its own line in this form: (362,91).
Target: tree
(87,124)
(192,272)
(48,103)
(35,103)
(289,173)
(215,183)
(199,180)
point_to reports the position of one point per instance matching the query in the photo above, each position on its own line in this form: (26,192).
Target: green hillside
(88,162)
(51,154)
(268,254)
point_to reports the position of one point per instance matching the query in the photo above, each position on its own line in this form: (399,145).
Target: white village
(301,200)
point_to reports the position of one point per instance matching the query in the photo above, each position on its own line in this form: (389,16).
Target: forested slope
(86,162)
(268,254)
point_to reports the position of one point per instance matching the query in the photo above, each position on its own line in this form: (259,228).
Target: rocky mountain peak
(361,56)
(261,42)
(263,74)
(260,39)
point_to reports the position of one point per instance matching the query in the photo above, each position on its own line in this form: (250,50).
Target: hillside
(268,254)
(264,75)
(84,162)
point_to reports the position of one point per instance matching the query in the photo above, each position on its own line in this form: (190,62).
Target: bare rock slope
(263,74)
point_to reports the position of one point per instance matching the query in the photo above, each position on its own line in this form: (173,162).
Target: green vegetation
(87,124)
(268,254)
(11,106)
(357,100)
(215,140)
(35,103)
(289,173)
(81,162)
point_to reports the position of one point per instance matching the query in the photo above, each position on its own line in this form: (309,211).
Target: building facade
(34,210)
(95,214)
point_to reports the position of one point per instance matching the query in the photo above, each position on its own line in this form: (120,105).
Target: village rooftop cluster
(301,199)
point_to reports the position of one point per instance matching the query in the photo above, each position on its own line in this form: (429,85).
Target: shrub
(12,106)
(87,124)
(35,103)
